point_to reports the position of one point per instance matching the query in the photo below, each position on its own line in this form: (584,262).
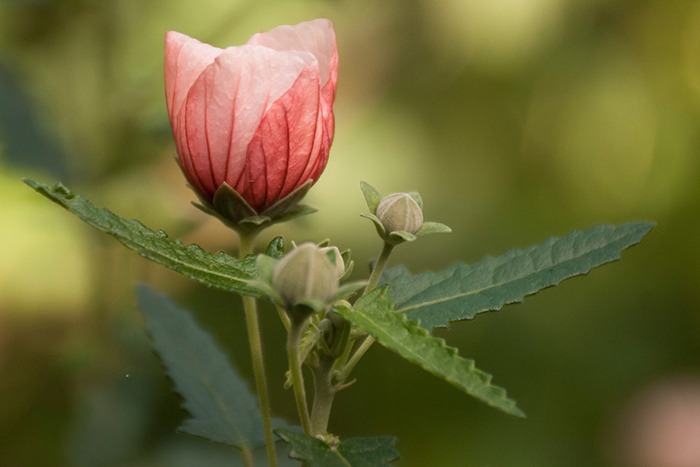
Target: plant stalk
(293,346)
(256,355)
(324,393)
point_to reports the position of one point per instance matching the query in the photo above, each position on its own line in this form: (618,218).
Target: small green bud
(305,279)
(399,212)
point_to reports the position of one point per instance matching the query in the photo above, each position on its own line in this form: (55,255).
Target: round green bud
(305,277)
(399,212)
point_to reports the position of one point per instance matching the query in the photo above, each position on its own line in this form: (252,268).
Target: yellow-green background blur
(515,119)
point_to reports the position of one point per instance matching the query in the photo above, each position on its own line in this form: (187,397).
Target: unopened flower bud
(399,212)
(305,278)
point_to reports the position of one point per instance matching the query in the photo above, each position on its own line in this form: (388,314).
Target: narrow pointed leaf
(463,291)
(354,452)
(221,405)
(375,314)
(217,270)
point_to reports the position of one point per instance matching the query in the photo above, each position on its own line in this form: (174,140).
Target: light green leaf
(355,452)
(429,228)
(222,407)
(462,291)
(219,270)
(372,196)
(374,313)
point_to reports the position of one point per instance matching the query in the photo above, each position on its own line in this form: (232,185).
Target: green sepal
(429,228)
(235,212)
(399,236)
(288,205)
(372,196)
(417,198)
(231,206)
(377,223)
(329,451)
(349,264)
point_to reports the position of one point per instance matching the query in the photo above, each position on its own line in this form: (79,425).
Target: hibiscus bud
(305,279)
(255,120)
(399,212)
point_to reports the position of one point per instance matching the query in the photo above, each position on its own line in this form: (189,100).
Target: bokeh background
(515,119)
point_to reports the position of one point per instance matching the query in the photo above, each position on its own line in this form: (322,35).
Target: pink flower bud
(258,117)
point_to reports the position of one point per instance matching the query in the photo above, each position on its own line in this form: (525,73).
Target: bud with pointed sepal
(398,217)
(306,279)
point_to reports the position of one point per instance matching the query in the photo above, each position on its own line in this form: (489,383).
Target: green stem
(371,284)
(256,355)
(247,456)
(324,393)
(379,268)
(293,346)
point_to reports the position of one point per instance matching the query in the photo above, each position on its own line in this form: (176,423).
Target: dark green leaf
(218,270)
(222,407)
(355,452)
(374,313)
(462,291)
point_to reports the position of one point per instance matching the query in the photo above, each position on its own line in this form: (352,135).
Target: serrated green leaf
(217,270)
(462,291)
(222,407)
(354,452)
(375,314)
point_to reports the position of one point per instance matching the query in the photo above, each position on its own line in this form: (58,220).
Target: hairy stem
(256,355)
(379,268)
(247,456)
(324,393)
(293,347)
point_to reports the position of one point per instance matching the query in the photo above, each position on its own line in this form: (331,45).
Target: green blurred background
(515,119)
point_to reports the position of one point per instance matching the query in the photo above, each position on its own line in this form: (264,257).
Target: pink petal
(225,105)
(185,59)
(316,37)
(288,148)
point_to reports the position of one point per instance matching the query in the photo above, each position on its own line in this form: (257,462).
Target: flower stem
(293,346)
(324,393)
(256,355)
(247,456)
(371,284)
(379,268)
